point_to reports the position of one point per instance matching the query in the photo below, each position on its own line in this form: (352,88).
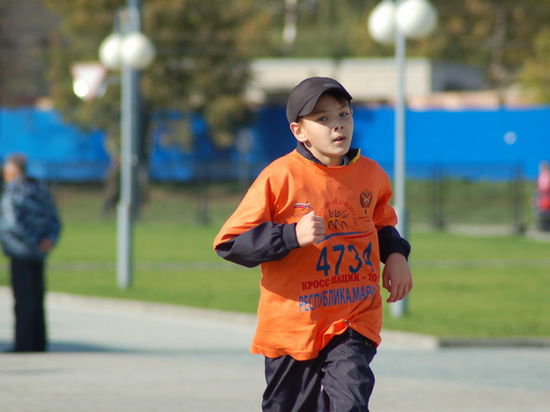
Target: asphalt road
(108,355)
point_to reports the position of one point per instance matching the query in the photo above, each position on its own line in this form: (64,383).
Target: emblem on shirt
(339,215)
(365,199)
(337,219)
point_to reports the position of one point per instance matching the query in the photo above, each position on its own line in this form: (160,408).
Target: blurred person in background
(29,229)
(543,196)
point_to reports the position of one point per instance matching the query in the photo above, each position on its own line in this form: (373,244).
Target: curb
(513,342)
(393,338)
(390,338)
(421,341)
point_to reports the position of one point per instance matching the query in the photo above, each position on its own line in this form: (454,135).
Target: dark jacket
(28,216)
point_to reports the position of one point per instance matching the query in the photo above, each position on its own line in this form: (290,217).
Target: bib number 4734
(339,250)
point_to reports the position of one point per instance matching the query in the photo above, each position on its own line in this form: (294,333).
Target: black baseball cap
(303,98)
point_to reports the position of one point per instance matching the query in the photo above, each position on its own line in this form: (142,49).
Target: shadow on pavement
(59,347)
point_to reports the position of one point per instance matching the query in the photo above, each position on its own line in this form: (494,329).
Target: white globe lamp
(416,18)
(109,51)
(381,22)
(137,51)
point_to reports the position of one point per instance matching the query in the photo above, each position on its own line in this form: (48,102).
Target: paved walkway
(108,355)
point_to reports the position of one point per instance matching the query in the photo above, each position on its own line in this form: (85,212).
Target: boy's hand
(396,277)
(310,228)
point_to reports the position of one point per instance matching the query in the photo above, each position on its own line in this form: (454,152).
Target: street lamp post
(130,51)
(392,22)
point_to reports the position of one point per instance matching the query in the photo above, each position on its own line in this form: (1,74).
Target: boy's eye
(322,119)
(344,114)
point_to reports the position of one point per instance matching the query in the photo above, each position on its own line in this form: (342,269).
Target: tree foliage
(497,36)
(204,46)
(23,36)
(200,64)
(535,74)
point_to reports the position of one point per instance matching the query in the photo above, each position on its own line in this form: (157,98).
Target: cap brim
(312,101)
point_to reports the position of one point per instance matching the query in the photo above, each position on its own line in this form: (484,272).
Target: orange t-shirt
(318,291)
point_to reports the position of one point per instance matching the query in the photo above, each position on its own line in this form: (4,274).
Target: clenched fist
(310,228)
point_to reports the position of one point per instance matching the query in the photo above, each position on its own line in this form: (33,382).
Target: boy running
(319,222)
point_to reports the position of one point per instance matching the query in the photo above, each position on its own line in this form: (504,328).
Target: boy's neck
(346,159)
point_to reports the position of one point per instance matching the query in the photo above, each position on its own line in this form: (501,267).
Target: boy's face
(327,131)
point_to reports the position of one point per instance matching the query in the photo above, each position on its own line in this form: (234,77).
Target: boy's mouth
(339,139)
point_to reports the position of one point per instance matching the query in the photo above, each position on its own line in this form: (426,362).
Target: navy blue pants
(338,380)
(27,280)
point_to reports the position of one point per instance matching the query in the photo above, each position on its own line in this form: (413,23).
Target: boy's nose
(338,126)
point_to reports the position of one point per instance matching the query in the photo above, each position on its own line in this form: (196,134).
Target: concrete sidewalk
(110,355)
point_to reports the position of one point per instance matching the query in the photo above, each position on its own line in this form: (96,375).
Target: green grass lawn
(478,286)
(464,285)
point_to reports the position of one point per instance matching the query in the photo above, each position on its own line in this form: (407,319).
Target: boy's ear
(296,129)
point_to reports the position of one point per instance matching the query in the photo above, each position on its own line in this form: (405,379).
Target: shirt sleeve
(384,214)
(250,237)
(264,243)
(389,239)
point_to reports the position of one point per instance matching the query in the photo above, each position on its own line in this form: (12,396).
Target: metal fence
(471,194)
(438,196)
